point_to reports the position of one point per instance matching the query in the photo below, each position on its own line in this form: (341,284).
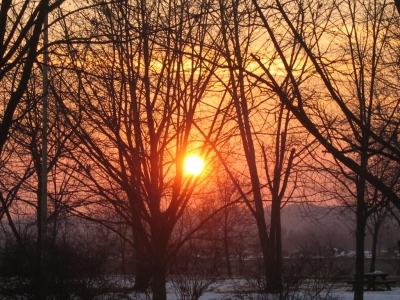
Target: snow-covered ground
(225,291)
(337,294)
(347,294)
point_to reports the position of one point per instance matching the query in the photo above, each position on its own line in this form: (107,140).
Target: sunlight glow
(193,164)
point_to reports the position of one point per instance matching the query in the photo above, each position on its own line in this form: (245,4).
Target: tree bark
(159,276)
(360,237)
(361,220)
(143,273)
(142,266)
(274,273)
(374,244)
(398,247)
(226,245)
(159,282)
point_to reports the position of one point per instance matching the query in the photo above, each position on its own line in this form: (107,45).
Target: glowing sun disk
(193,164)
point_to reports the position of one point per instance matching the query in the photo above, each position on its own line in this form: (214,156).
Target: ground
(341,291)
(347,294)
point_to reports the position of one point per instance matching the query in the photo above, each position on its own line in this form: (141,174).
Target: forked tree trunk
(274,273)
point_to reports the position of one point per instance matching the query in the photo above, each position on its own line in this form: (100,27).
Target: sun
(193,164)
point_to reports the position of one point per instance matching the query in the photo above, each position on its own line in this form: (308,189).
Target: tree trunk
(142,275)
(228,262)
(123,256)
(374,244)
(226,244)
(274,272)
(360,234)
(158,257)
(159,271)
(265,248)
(142,267)
(240,264)
(359,284)
(398,246)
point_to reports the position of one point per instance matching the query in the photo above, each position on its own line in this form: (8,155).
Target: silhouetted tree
(143,78)
(265,129)
(346,123)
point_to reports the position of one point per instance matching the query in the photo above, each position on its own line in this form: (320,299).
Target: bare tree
(21,29)
(20,35)
(143,77)
(351,75)
(265,128)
